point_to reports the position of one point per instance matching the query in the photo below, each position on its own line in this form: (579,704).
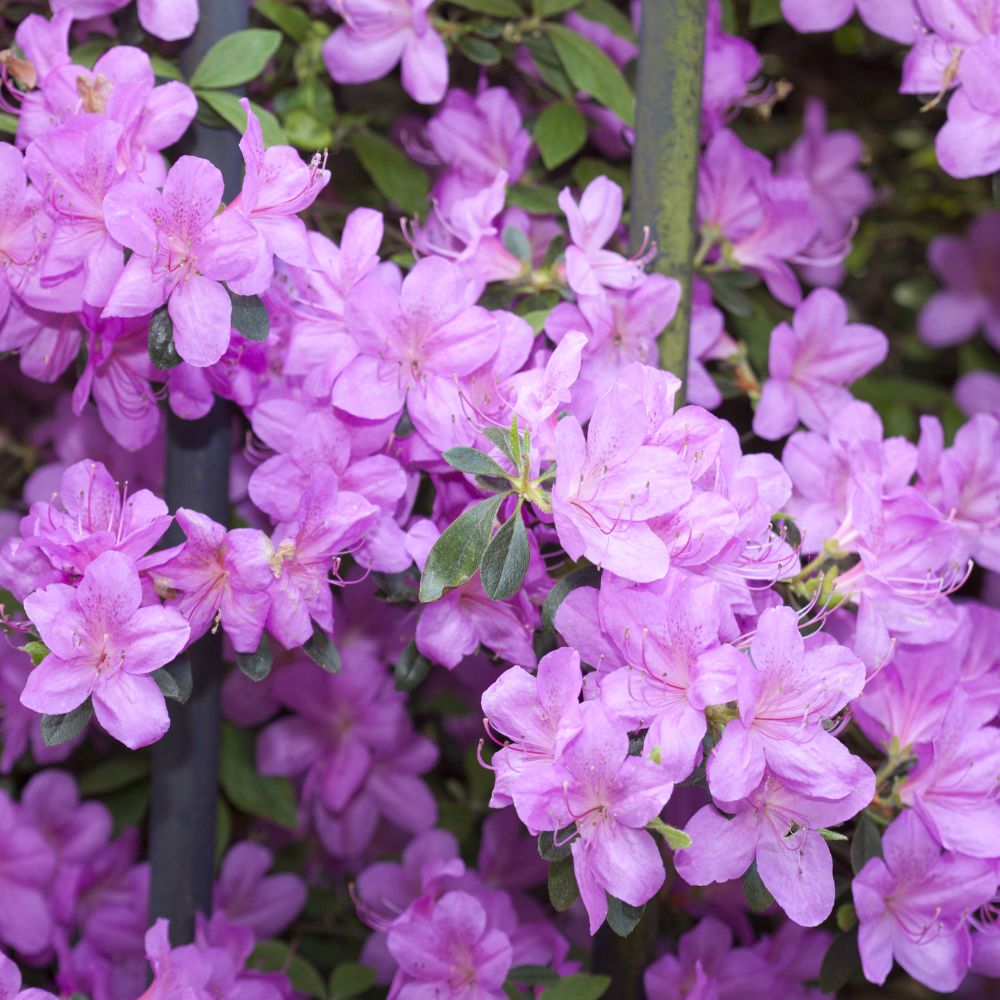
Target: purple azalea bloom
(610,796)
(166,19)
(448,950)
(896,19)
(183,251)
(785,689)
(27,864)
(19,237)
(104,645)
(913,903)
(731,65)
(778,827)
(266,904)
(377,34)
(10,984)
(219,575)
(808,363)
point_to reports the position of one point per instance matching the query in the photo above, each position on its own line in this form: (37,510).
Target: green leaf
(456,555)
(549,8)
(623,918)
(501,439)
(257,665)
(174,680)
(846,917)
(250,316)
(89,52)
(57,729)
(865,844)
(532,975)
(497,8)
(556,846)
(320,649)
(349,980)
(830,835)
(676,839)
(584,576)
(579,986)
(128,806)
(162,351)
(479,51)
(592,71)
(536,200)
(398,178)
(517,242)
(235,59)
(116,772)
(277,956)
(474,462)
(411,668)
(841,963)
(757,894)
(563,890)
(292,20)
(163,68)
(36,650)
(604,12)
(764,12)
(559,133)
(505,561)
(227,106)
(253,793)
(8,123)
(548,64)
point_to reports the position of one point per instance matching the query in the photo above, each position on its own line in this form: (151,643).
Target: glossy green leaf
(473,462)
(398,178)
(350,980)
(497,8)
(411,668)
(480,51)
(319,647)
(57,729)
(560,133)
(292,20)
(257,665)
(605,12)
(505,561)
(592,71)
(36,650)
(550,8)
(584,576)
(249,791)
(578,986)
(676,839)
(174,680)
(162,351)
(623,918)
(236,59)
(250,316)
(563,890)
(227,106)
(758,896)
(118,771)
(556,846)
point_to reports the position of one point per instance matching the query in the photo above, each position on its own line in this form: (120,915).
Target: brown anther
(20,70)
(94,92)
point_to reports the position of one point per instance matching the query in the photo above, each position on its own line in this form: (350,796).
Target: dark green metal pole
(186,761)
(665,160)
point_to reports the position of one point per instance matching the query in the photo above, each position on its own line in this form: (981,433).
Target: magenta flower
(450,951)
(896,19)
(970,299)
(913,905)
(182,253)
(104,645)
(610,796)
(19,237)
(809,362)
(415,334)
(778,827)
(377,34)
(220,576)
(266,904)
(784,691)
(592,223)
(27,864)
(10,984)
(166,19)
(609,485)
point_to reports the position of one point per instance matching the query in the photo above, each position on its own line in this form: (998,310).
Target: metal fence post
(186,760)
(667,146)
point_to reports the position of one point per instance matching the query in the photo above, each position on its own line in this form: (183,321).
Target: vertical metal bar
(665,160)
(186,760)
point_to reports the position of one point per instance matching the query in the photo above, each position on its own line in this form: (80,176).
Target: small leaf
(578,986)
(676,839)
(516,241)
(251,792)
(235,59)
(293,21)
(257,665)
(320,649)
(227,106)
(174,680)
(563,890)
(846,917)
(830,835)
(592,71)
(349,980)
(250,316)
(163,68)
(57,729)
(8,123)
(560,133)
(501,439)
(114,773)
(398,178)
(473,462)
(865,844)
(505,561)
(411,668)
(497,8)
(162,351)
(550,8)
(532,975)
(277,956)
(456,555)
(841,963)
(536,200)
(556,846)
(764,13)
(757,894)
(36,650)
(623,918)
(480,51)
(605,12)
(584,576)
